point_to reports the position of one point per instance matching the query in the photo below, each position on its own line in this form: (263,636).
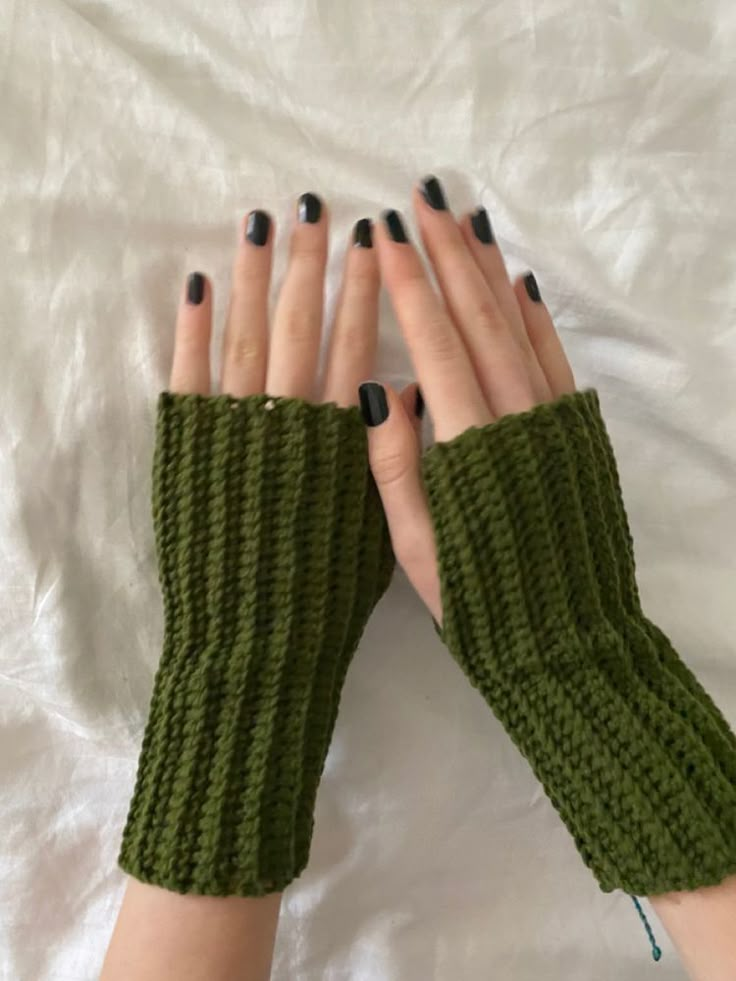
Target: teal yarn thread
(656,950)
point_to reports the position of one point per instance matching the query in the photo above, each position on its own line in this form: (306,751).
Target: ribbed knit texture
(542,611)
(273,550)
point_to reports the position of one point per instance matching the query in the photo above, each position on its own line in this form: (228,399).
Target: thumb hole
(393,449)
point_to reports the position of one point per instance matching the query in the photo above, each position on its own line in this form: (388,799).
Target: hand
(285,362)
(481,349)
(541,605)
(228,772)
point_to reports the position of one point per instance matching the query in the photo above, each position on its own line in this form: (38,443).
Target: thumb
(393,450)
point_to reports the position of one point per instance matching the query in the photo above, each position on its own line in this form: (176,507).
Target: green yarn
(273,550)
(541,610)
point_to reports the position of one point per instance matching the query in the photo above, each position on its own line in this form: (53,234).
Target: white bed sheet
(601,138)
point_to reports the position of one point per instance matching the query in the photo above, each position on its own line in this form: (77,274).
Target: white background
(133,137)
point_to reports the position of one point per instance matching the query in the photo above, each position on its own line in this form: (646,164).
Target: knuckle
(454,253)
(192,342)
(452,258)
(441,342)
(246,283)
(411,283)
(247,269)
(409,289)
(308,254)
(352,341)
(390,466)
(242,351)
(486,316)
(362,282)
(250,274)
(301,327)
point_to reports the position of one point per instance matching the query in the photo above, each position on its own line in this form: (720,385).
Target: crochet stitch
(272,550)
(542,611)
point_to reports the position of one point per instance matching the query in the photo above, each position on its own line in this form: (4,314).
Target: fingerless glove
(541,610)
(273,550)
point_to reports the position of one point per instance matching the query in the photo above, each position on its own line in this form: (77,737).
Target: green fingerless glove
(542,611)
(273,551)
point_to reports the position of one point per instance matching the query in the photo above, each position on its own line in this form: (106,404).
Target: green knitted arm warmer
(542,611)
(272,550)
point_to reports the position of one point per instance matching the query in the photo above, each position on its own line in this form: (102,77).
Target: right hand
(481,349)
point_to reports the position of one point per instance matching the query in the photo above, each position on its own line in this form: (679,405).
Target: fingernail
(310,208)
(195,288)
(482,226)
(258,227)
(433,194)
(363,233)
(532,288)
(395,226)
(419,404)
(373,403)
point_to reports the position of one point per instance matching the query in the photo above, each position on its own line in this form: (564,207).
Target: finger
(297,323)
(352,350)
(245,344)
(190,370)
(440,360)
(496,358)
(393,451)
(544,338)
(481,242)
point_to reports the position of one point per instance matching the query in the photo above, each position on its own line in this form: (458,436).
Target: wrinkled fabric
(134,135)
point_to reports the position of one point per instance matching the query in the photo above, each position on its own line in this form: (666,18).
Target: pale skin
(481,348)
(160,935)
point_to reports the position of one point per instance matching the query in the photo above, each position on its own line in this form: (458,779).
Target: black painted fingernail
(532,288)
(482,226)
(433,194)
(195,288)
(363,233)
(310,208)
(258,227)
(419,404)
(373,403)
(395,226)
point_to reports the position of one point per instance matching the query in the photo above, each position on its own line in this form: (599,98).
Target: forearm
(702,925)
(520,516)
(165,936)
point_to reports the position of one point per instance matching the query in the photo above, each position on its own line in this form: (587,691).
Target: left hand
(482,349)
